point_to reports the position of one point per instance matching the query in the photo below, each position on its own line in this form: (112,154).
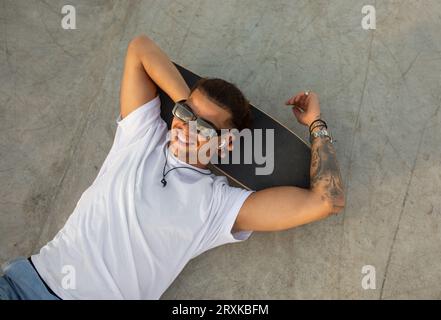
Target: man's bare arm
(325,173)
(160,68)
(281,208)
(146,67)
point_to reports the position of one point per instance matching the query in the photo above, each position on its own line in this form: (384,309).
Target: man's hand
(306,107)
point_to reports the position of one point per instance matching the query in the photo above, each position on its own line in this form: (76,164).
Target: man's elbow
(336,204)
(140,42)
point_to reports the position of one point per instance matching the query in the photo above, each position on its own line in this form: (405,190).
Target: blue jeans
(21,282)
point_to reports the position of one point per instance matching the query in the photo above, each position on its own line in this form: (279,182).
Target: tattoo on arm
(325,173)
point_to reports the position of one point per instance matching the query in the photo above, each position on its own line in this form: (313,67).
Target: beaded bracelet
(322,124)
(317,126)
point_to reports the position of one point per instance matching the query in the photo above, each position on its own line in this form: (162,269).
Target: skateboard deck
(292,155)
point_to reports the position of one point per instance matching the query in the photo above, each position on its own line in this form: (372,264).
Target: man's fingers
(305,99)
(297,113)
(295,99)
(290,101)
(298,98)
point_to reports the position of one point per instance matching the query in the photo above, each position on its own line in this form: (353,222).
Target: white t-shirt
(128,236)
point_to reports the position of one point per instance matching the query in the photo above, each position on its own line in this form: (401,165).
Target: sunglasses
(182,111)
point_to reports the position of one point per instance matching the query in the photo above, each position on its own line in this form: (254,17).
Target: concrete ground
(380,91)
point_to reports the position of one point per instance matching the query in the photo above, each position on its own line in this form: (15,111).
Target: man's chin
(180,151)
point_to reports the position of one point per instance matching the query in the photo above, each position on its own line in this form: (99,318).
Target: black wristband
(318,125)
(315,122)
(310,126)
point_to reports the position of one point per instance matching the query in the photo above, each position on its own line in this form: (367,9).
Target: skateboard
(292,155)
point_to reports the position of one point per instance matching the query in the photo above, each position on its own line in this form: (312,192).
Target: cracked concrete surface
(380,91)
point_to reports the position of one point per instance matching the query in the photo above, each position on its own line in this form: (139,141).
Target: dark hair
(229,97)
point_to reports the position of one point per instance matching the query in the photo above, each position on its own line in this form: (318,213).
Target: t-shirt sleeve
(226,204)
(135,125)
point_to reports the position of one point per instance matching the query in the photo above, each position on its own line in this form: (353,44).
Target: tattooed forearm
(325,173)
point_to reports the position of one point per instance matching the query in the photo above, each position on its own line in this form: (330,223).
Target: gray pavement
(380,92)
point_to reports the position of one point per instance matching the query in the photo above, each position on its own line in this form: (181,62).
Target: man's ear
(230,138)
